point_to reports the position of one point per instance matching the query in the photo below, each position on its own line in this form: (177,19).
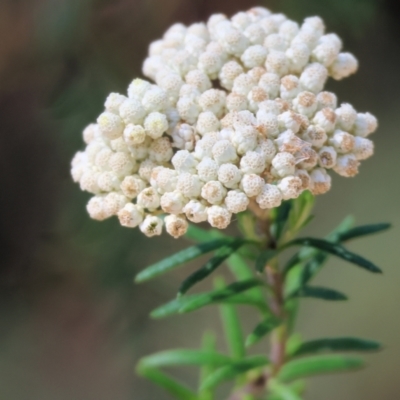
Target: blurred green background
(72,324)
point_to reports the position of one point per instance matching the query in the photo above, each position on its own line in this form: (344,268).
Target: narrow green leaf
(265,257)
(242,271)
(208,344)
(304,367)
(202,235)
(300,213)
(320,293)
(181,258)
(335,344)
(220,295)
(337,250)
(284,392)
(230,294)
(175,388)
(281,217)
(262,329)
(363,230)
(230,372)
(184,357)
(232,326)
(211,265)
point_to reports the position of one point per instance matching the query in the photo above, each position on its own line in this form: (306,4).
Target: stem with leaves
(273,289)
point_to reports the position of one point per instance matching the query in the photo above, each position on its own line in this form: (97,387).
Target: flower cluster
(238,113)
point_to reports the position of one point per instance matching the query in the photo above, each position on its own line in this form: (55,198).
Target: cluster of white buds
(238,114)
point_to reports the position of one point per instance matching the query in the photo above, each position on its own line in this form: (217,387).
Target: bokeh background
(72,323)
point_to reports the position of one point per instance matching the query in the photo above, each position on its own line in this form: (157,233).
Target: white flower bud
(130,215)
(288,142)
(347,165)
(342,141)
(119,145)
(155,99)
(223,152)
(95,208)
(183,137)
(284,164)
(110,125)
(213,100)
(205,144)
(266,148)
(327,50)
(140,151)
(298,55)
(229,175)
(195,211)
(151,226)
(161,150)
(171,83)
(188,109)
(307,158)
(288,30)
(363,148)
(315,135)
(102,159)
(183,161)
(255,33)
(326,119)
(327,157)
(236,102)
(256,96)
(236,201)
(211,63)
(173,202)
(305,178)
(365,124)
(213,192)
(243,83)
(233,41)
(320,181)
(313,77)
(290,187)
(346,116)
(164,179)
(155,125)
(113,102)
(254,56)
(207,169)
(207,122)
(305,103)
(146,168)
(228,74)
(134,134)
(344,65)
(199,79)
(290,87)
(88,182)
(326,100)
(252,163)
(219,217)
(149,198)
(189,185)
(121,164)
(132,185)
(252,184)
(132,111)
(277,63)
(257,72)
(268,123)
(113,202)
(244,138)
(108,181)
(289,120)
(241,20)
(138,88)
(270,82)
(90,133)
(269,197)
(175,225)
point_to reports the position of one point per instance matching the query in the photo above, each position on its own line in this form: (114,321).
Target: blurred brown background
(72,324)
